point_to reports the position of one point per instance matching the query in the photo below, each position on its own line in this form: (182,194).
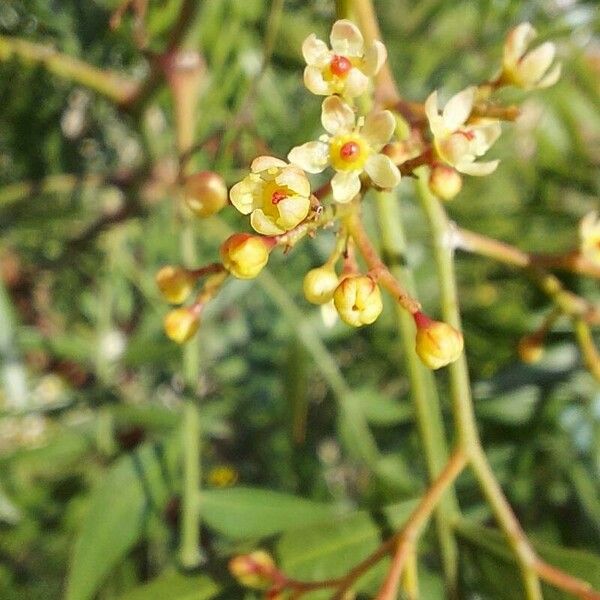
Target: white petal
(312,157)
(292,210)
(337,117)
(485,136)
(262,163)
(516,43)
(356,83)
(532,68)
(550,79)
(345,185)
(315,51)
(294,178)
(314,82)
(436,123)
(477,168)
(329,314)
(375,57)
(378,128)
(458,108)
(264,224)
(346,39)
(245,195)
(382,170)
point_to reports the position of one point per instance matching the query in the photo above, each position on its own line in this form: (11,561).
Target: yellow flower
(528,69)
(589,234)
(205,193)
(352,147)
(346,68)
(244,255)
(358,300)
(456,142)
(182,323)
(175,283)
(437,343)
(275,194)
(319,285)
(530,349)
(254,570)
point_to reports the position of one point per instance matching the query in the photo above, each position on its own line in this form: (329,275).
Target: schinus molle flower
(351,148)
(357,300)
(346,68)
(437,343)
(457,141)
(275,194)
(245,255)
(528,69)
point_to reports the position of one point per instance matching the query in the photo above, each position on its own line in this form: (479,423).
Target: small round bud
(181,324)
(445,182)
(358,300)
(175,283)
(437,343)
(319,285)
(530,349)
(255,570)
(244,255)
(205,193)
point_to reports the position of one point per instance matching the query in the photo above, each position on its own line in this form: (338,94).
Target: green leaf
(495,570)
(243,512)
(175,586)
(117,515)
(330,549)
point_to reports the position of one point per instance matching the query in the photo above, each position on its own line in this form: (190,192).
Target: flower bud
(182,323)
(175,283)
(445,182)
(205,193)
(530,349)
(358,300)
(244,255)
(319,285)
(255,570)
(437,343)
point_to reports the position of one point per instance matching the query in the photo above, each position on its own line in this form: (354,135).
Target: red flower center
(468,134)
(340,65)
(278,196)
(349,151)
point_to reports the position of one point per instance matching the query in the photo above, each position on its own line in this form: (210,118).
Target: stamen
(468,134)
(340,65)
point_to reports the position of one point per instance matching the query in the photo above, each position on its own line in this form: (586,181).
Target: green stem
(424,395)
(108,84)
(464,416)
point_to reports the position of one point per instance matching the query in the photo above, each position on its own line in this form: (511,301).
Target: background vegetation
(93,393)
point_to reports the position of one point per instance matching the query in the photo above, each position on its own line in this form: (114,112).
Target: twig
(409,534)
(113,86)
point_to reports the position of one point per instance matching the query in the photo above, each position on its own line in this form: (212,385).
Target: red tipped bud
(437,343)
(205,193)
(445,182)
(256,570)
(245,255)
(530,349)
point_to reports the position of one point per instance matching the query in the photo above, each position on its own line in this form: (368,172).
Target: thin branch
(408,536)
(113,86)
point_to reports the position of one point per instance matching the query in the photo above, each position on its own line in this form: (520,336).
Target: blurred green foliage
(93,391)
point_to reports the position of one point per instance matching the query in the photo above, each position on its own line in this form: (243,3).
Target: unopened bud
(319,285)
(530,349)
(255,570)
(244,255)
(437,343)
(205,193)
(175,283)
(445,182)
(358,300)
(182,323)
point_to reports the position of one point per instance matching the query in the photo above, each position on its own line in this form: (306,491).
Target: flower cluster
(364,150)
